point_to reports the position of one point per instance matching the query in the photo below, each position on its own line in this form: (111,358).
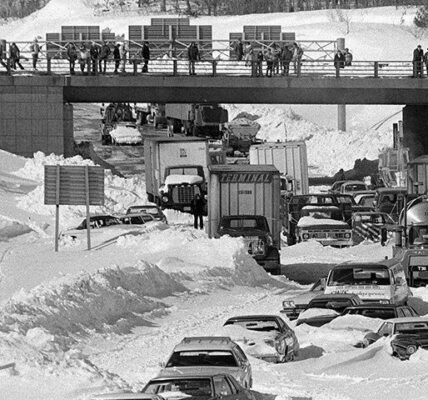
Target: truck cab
(254,229)
(181,184)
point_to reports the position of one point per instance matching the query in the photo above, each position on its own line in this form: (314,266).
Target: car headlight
(411,349)
(165,199)
(288,304)
(384,301)
(347,235)
(280,346)
(366,342)
(305,236)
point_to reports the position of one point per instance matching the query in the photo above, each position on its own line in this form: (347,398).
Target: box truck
(244,201)
(196,119)
(291,160)
(176,170)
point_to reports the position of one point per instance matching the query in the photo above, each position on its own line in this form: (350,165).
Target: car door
(246,373)
(238,392)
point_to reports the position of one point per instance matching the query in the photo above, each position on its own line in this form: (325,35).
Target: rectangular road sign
(67,185)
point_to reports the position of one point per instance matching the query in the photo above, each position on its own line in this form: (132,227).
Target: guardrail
(218,61)
(173,67)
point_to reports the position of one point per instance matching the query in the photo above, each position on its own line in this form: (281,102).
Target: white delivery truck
(176,169)
(291,160)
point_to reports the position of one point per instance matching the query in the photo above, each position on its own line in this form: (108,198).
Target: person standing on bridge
(95,54)
(116,57)
(193,55)
(426,60)
(270,58)
(239,50)
(104,54)
(348,58)
(145,55)
(123,53)
(286,57)
(15,55)
(84,58)
(35,51)
(418,56)
(72,56)
(297,58)
(2,55)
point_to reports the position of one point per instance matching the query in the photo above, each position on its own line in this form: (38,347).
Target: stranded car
(324,308)
(213,354)
(201,385)
(274,340)
(136,218)
(382,311)
(407,335)
(293,306)
(150,209)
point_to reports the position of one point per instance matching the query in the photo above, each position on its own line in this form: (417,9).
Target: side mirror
(162,364)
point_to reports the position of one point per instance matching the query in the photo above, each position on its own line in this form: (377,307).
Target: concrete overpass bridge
(37,111)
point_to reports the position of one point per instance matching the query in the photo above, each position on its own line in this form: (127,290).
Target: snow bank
(305,222)
(326,147)
(10,229)
(111,300)
(120,193)
(193,256)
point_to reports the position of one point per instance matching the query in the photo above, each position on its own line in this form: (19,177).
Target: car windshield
(382,313)
(147,210)
(333,304)
(200,388)
(214,358)
(99,222)
(354,187)
(353,275)
(184,171)
(257,325)
(412,327)
(236,223)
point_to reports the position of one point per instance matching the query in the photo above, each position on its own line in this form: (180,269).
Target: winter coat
(193,53)
(14,52)
(239,48)
(105,51)
(339,60)
(287,55)
(122,52)
(270,58)
(95,52)
(116,52)
(72,53)
(348,59)
(418,55)
(35,49)
(426,57)
(145,52)
(297,53)
(83,54)
(198,206)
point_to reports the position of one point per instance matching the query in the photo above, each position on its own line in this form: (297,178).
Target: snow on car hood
(124,134)
(311,221)
(179,179)
(316,312)
(253,343)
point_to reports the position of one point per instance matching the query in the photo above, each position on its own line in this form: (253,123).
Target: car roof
(336,296)
(197,343)
(391,190)
(407,319)
(374,305)
(145,206)
(371,264)
(353,183)
(196,374)
(135,214)
(266,317)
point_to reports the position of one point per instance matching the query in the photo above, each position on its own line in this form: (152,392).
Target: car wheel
(411,349)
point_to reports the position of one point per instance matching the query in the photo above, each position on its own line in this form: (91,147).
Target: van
(383,282)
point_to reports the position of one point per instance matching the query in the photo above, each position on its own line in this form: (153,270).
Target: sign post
(73,185)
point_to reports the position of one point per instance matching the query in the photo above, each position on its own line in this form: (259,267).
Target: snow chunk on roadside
(190,253)
(112,299)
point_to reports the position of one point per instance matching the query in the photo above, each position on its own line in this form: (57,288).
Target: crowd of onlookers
(419,59)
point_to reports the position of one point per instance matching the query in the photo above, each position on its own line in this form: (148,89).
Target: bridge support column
(415,130)
(34,118)
(341,117)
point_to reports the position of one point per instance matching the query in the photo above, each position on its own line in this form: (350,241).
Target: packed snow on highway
(77,323)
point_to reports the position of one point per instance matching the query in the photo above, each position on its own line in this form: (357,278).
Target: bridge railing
(216,61)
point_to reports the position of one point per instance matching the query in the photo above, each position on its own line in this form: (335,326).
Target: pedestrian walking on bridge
(2,54)
(193,55)
(145,55)
(104,54)
(72,56)
(15,56)
(35,51)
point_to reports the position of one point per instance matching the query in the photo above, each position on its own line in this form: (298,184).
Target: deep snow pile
(328,149)
(120,193)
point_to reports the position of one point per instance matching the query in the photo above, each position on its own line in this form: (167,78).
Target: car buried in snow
(198,386)
(407,335)
(324,308)
(293,306)
(212,354)
(150,209)
(266,337)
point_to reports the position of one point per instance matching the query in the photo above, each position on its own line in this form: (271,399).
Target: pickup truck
(254,229)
